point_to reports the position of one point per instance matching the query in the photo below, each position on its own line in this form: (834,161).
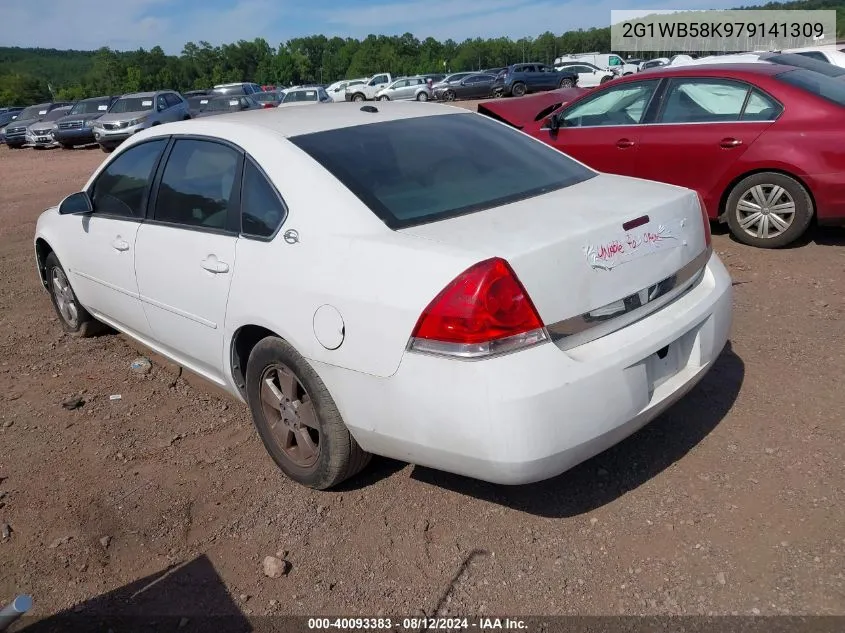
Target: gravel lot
(729,503)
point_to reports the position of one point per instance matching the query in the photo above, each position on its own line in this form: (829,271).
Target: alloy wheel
(65,299)
(290,415)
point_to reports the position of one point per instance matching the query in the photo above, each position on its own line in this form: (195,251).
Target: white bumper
(534,414)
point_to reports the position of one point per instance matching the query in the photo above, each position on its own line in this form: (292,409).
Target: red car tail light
(706,220)
(267,105)
(484,311)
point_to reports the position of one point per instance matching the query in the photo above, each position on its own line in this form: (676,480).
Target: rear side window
(419,170)
(832,90)
(262,212)
(121,188)
(198,186)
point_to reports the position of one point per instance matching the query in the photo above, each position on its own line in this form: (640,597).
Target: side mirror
(76,203)
(553,123)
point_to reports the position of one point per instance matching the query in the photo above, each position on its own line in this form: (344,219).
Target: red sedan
(761,143)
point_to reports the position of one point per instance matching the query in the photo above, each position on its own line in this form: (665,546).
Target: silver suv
(239,88)
(406,89)
(138,111)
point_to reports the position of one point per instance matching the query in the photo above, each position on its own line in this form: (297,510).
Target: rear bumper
(534,414)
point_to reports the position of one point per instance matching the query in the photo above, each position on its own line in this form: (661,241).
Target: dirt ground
(729,503)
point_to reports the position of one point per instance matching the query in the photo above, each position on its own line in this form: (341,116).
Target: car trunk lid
(588,247)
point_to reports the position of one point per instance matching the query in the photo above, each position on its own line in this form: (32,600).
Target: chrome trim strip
(614,316)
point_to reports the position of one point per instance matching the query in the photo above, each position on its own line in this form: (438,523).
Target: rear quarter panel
(379,280)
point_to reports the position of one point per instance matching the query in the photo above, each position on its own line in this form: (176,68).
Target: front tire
(358,97)
(75,319)
(422,96)
(297,419)
(769,210)
(384,98)
(67,146)
(565,83)
(604,80)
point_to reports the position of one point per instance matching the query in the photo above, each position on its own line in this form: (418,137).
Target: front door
(603,130)
(703,127)
(100,247)
(185,255)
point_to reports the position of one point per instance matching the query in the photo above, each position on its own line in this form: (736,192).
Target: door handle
(213,265)
(119,244)
(728,143)
(624,143)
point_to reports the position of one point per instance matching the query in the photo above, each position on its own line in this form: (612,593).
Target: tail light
(705,218)
(484,311)
(268,105)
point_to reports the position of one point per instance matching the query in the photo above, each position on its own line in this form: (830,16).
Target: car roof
(715,70)
(140,95)
(284,122)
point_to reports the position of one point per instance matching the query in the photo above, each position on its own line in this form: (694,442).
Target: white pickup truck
(367,91)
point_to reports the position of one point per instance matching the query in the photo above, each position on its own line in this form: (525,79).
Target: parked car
(655,63)
(439,87)
(6,118)
(611,61)
(367,91)
(76,127)
(305,96)
(238,88)
(405,89)
(223,105)
(42,134)
(821,53)
(16,133)
(480,285)
(470,87)
(268,99)
(589,76)
(785,59)
(521,79)
(138,111)
(493,71)
(337,90)
(759,142)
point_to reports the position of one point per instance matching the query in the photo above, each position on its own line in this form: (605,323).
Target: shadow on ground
(624,467)
(190,598)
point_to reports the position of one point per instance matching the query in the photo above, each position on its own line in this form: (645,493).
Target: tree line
(29,75)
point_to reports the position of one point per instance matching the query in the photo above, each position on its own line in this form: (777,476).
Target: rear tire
(565,83)
(518,89)
(358,97)
(284,392)
(769,210)
(75,319)
(604,80)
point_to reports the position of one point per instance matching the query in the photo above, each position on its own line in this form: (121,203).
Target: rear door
(547,77)
(603,130)
(185,253)
(703,127)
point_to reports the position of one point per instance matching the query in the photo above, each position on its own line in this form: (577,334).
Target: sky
(130,24)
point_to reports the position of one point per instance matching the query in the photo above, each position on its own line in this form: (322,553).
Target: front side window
(613,60)
(121,188)
(262,212)
(423,169)
(703,101)
(198,185)
(620,105)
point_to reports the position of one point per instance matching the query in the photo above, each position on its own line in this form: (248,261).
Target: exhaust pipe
(15,609)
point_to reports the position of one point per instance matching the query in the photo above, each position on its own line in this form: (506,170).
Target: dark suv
(76,128)
(519,79)
(16,130)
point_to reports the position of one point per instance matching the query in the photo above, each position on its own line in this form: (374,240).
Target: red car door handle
(728,143)
(624,143)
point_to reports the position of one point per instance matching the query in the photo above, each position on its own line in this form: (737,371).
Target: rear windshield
(807,63)
(820,85)
(419,170)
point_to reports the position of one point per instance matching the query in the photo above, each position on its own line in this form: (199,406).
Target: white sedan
(421,283)
(589,76)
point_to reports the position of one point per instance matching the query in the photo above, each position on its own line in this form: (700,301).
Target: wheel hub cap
(765,211)
(291,415)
